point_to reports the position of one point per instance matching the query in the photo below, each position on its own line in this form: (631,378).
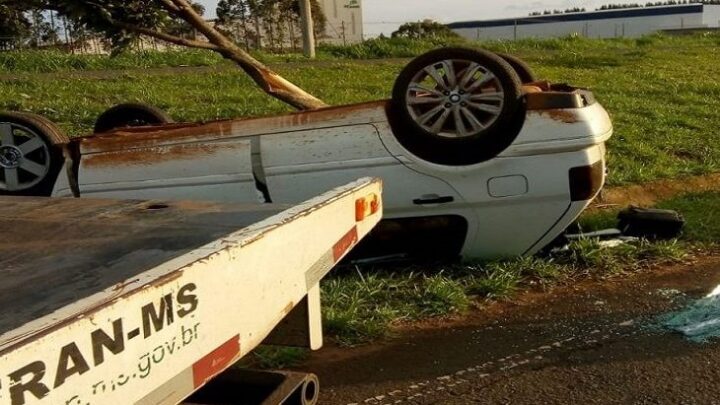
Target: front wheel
(457,106)
(30,154)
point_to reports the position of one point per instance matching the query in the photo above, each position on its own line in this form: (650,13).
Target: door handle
(433,199)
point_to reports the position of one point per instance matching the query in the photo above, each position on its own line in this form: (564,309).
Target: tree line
(253,23)
(179,22)
(624,6)
(23,26)
(266,23)
(566,11)
(657,4)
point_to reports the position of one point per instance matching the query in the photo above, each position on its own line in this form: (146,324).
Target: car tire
(131,115)
(31,154)
(524,71)
(457,106)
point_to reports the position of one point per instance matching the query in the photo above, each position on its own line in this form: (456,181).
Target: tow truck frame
(144,302)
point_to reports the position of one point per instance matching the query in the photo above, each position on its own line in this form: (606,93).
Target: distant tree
(319,18)
(122,21)
(278,20)
(290,9)
(628,5)
(289,19)
(566,11)
(42,31)
(233,17)
(181,27)
(14,26)
(427,29)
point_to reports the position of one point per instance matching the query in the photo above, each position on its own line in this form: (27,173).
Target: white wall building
(711,16)
(344,21)
(632,23)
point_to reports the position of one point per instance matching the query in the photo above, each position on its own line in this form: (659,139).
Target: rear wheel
(131,115)
(30,154)
(523,70)
(457,106)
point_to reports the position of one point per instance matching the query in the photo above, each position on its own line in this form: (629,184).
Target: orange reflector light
(366,206)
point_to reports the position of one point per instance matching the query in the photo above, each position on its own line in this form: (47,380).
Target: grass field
(361,305)
(663,95)
(365,305)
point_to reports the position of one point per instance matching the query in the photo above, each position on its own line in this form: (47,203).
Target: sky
(384,16)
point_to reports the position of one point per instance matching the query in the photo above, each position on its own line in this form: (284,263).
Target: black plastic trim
(589,16)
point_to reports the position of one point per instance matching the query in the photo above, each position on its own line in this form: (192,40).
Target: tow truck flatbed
(65,249)
(143,302)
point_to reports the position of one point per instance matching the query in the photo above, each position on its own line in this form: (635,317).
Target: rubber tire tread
(122,116)
(524,71)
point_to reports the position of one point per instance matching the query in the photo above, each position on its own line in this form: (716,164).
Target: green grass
(381,48)
(275,357)
(30,61)
(702,213)
(49,61)
(360,307)
(364,306)
(75,103)
(662,92)
(591,257)
(596,221)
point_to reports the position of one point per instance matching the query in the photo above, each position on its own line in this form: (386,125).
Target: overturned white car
(478,158)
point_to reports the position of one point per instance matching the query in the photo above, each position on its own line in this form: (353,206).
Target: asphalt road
(590,343)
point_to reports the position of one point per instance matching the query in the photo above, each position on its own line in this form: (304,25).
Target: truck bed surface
(64,250)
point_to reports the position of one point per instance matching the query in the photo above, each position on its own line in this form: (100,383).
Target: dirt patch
(649,194)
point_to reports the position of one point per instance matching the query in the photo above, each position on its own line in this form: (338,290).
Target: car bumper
(562,130)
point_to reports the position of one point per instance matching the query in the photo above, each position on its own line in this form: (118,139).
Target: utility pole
(36,22)
(54,29)
(343,33)
(515,29)
(308,32)
(68,39)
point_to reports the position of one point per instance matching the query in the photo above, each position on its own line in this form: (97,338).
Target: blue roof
(593,15)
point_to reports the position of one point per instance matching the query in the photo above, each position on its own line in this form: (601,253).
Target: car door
(299,165)
(213,170)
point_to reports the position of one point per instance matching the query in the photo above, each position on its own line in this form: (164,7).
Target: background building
(344,21)
(631,22)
